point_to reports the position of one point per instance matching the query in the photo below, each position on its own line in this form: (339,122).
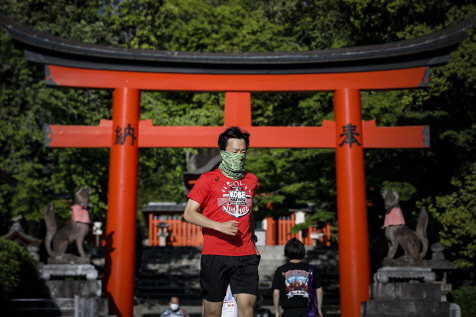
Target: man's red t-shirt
(223,199)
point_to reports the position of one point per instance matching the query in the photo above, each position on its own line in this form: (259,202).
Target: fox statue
(398,234)
(75,231)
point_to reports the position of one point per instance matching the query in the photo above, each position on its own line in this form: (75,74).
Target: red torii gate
(344,71)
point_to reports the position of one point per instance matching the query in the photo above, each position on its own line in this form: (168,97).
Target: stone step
(182,280)
(165,269)
(165,283)
(153,258)
(43,307)
(164,293)
(330,310)
(323,253)
(59,306)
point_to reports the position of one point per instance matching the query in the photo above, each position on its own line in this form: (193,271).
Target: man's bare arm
(276,302)
(192,215)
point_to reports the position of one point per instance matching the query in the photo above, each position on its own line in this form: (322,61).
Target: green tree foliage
(465,297)
(26,104)
(456,214)
(19,276)
(286,175)
(225,26)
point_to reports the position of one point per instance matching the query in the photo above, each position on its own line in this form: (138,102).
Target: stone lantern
(162,233)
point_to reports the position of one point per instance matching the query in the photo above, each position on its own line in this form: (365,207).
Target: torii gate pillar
(354,266)
(121,214)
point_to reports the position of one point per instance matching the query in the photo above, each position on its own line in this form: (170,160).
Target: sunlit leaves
(457,214)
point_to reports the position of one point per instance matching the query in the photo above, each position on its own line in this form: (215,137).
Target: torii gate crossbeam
(345,72)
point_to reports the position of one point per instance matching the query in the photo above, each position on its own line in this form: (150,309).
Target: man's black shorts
(217,271)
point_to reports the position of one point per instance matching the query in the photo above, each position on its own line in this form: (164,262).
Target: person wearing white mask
(174,310)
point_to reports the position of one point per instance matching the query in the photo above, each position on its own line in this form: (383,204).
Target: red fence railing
(181,233)
(277,232)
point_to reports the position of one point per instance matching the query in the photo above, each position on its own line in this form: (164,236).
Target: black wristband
(254,238)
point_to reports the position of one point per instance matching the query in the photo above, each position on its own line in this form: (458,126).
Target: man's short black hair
(233,133)
(294,249)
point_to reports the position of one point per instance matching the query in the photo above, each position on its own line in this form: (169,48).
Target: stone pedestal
(407,298)
(68,258)
(68,289)
(385,273)
(87,270)
(403,262)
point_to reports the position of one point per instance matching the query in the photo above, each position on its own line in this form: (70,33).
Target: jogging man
(229,254)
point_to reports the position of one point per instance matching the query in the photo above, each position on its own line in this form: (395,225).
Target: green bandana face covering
(232,165)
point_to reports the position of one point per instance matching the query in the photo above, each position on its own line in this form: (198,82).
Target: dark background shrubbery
(19,277)
(465,297)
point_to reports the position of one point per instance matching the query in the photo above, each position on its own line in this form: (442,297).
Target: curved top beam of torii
(428,50)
